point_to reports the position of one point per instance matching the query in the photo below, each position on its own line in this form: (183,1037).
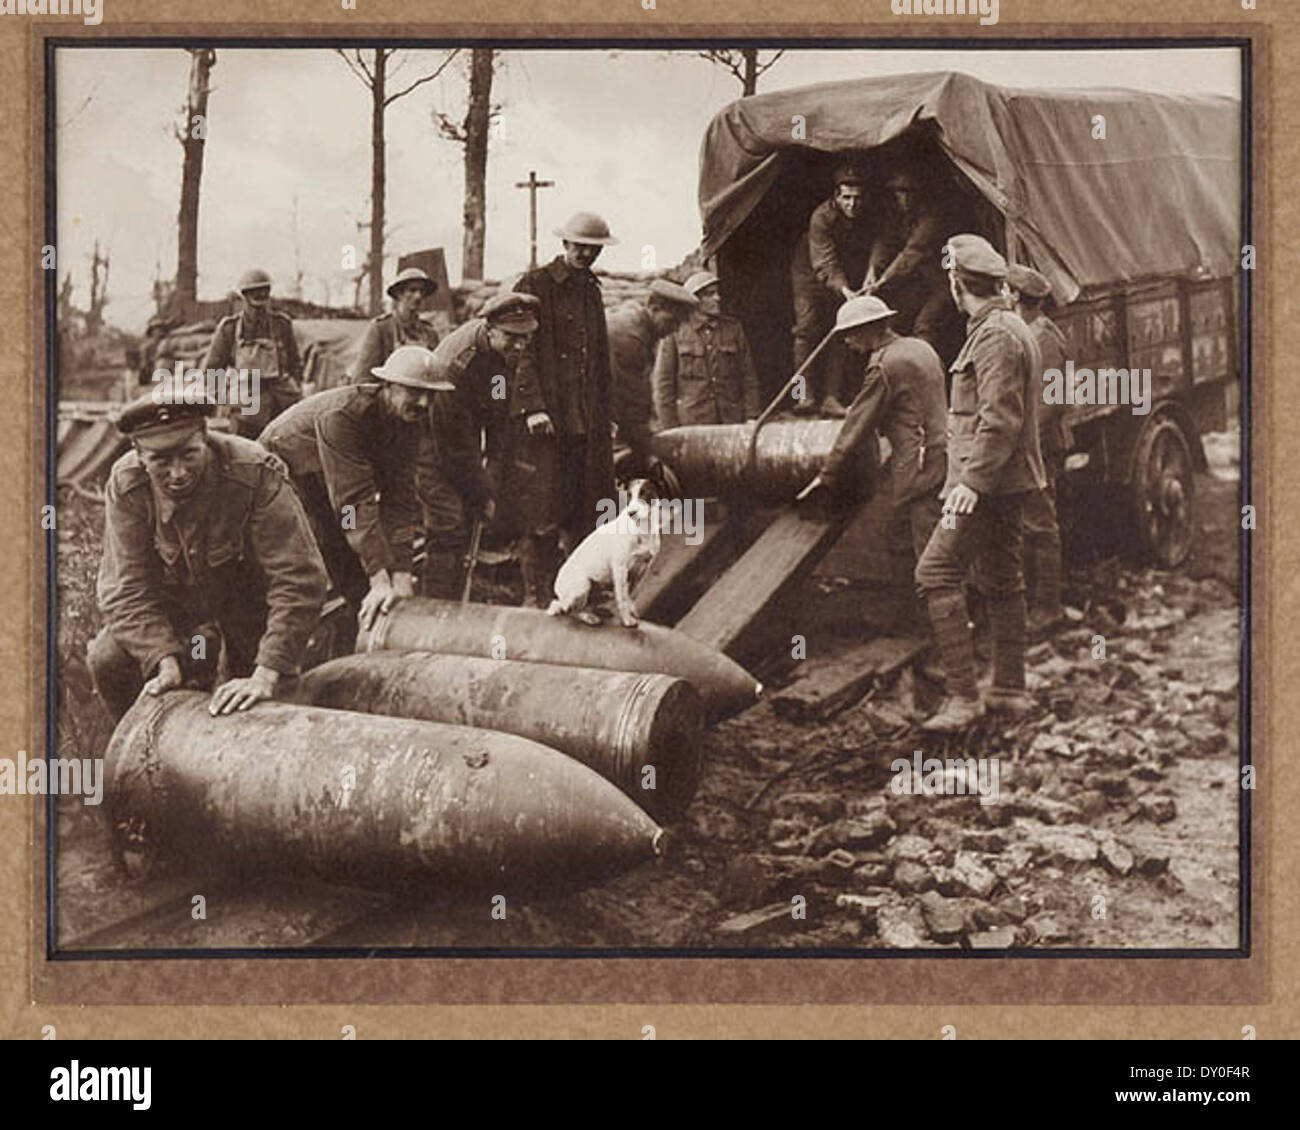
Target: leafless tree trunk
(192,136)
(98,291)
(374,74)
(472,133)
(743,63)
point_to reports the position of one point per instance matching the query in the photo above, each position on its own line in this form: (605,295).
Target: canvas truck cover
(1158,196)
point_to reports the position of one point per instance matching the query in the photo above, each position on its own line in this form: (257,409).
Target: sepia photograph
(675,499)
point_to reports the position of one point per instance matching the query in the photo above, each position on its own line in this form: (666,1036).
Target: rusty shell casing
(529,635)
(713,459)
(374,802)
(616,722)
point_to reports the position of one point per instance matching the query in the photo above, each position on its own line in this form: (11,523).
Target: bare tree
(742,62)
(472,133)
(374,74)
(98,291)
(192,136)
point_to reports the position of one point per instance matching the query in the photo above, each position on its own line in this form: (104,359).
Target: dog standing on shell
(614,555)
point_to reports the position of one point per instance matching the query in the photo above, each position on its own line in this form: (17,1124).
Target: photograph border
(844,976)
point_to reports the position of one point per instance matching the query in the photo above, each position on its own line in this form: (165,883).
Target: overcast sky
(618,132)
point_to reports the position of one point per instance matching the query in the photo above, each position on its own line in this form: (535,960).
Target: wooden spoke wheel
(1163,493)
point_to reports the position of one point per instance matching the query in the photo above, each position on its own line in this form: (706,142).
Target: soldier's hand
(814,501)
(961,499)
(489,510)
(168,678)
(240,694)
(380,598)
(539,423)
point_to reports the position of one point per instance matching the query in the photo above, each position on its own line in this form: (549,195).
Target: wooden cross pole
(533,184)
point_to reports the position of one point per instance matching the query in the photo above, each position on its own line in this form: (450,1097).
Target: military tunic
(343,450)
(237,555)
(632,344)
(566,374)
(993,450)
(704,374)
(384,334)
(451,478)
(902,397)
(264,341)
(829,257)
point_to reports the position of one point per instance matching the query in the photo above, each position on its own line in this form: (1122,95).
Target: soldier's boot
(443,573)
(1045,612)
(832,407)
(956,646)
(1007,628)
(526,552)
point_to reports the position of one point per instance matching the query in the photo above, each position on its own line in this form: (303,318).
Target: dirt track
(1127,790)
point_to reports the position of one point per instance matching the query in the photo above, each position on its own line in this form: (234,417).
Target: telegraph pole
(533,184)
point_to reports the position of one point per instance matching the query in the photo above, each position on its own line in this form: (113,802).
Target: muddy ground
(1116,824)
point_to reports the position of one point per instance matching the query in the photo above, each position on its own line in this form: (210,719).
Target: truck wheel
(1163,493)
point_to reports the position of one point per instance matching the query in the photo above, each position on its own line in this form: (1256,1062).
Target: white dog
(614,555)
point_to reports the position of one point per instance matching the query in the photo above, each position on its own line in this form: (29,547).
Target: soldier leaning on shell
(207,553)
(351,452)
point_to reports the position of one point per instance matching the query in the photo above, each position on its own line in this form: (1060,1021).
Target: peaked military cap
(1027,281)
(975,255)
(512,312)
(157,420)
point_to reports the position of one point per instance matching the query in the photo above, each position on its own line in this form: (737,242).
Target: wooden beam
(733,615)
(828,685)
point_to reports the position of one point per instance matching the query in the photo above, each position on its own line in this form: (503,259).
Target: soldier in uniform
(704,373)
(906,265)
(1043,564)
(829,266)
(351,452)
(635,331)
(903,398)
(470,424)
(561,405)
(260,340)
(206,549)
(994,466)
(402,325)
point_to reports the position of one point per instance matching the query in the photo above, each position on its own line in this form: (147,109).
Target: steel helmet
(412,275)
(254,279)
(861,312)
(699,281)
(415,367)
(586,227)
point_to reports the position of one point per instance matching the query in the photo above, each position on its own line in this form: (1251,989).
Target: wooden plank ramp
(746,602)
(827,685)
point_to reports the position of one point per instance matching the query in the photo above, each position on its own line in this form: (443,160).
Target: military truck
(1129,203)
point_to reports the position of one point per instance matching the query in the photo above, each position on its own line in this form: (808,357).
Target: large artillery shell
(368,801)
(713,459)
(530,635)
(640,731)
